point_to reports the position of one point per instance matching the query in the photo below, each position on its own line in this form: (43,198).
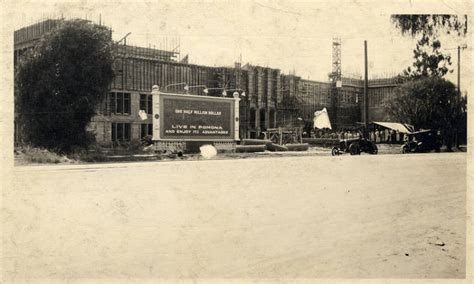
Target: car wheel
(335,151)
(354,149)
(374,150)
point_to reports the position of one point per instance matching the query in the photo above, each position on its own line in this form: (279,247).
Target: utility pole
(366,93)
(459,70)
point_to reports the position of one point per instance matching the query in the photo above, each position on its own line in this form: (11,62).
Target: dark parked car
(354,146)
(422,142)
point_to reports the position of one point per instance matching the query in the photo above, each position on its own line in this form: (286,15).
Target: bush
(129,147)
(91,157)
(135,145)
(40,155)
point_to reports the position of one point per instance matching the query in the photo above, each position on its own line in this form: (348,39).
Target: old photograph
(217,141)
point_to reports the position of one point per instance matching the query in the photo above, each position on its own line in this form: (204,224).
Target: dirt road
(397,216)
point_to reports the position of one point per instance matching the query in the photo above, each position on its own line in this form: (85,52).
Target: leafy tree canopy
(427,29)
(428,103)
(61,82)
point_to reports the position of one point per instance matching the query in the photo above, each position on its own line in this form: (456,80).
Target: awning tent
(402,128)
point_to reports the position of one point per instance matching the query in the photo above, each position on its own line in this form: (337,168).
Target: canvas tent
(400,127)
(321,119)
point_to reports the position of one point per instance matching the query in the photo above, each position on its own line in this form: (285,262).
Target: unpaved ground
(22,160)
(384,216)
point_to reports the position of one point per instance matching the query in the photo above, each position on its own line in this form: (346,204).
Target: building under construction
(273,99)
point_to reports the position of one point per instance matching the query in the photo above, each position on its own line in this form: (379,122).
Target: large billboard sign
(194,118)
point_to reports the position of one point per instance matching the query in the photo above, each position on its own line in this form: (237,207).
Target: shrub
(40,155)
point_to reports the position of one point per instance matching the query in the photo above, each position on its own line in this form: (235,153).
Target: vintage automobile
(423,141)
(354,146)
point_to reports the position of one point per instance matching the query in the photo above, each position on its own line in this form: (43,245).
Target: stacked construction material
(252,146)
(276,148)
(297,147)
(260,145)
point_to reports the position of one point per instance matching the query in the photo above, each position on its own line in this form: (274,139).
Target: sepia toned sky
(288,35)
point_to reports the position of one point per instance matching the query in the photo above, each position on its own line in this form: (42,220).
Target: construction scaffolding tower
(336,60)
(336,79)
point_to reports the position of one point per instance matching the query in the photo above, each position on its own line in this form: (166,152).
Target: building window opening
(146,129)
(262,120)
(121,132)
(126,103)
(272,119)
(252,118)
(146,103)
(120,103)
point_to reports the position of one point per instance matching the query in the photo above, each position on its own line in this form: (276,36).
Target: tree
(61,82)
(429,60)
(429,103)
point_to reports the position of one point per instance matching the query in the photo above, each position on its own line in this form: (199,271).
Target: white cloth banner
(321,119)
(142,114)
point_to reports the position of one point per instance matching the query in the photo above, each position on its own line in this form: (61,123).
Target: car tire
(335,151)
(354,149)
(374,150)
